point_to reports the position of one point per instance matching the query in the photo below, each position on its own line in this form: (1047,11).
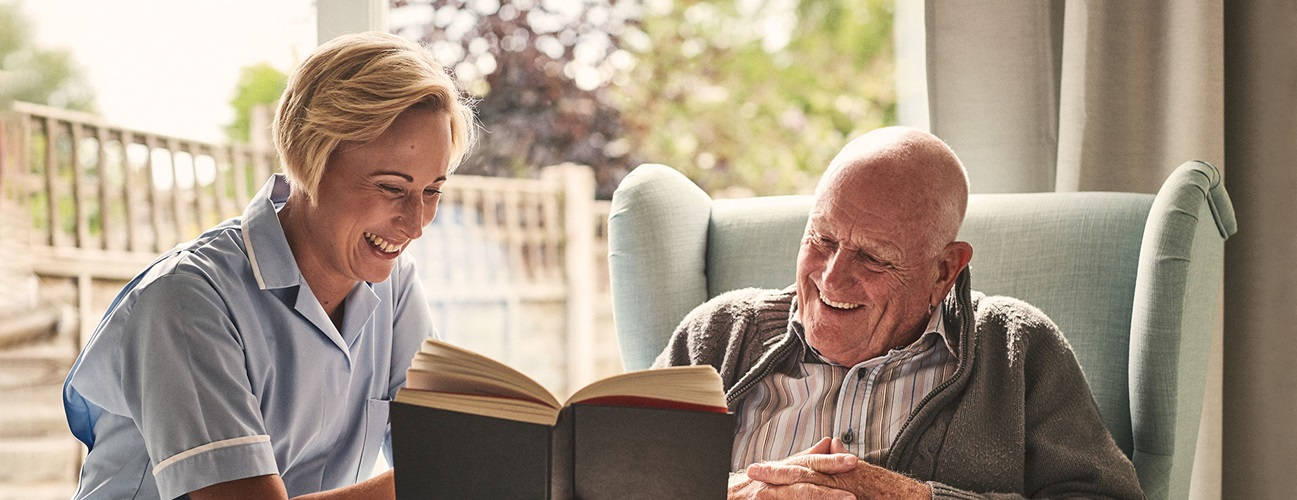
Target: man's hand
(823,458)
(865,480)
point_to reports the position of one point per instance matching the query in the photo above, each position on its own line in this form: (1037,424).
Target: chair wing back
(1132,280)
(1177,307)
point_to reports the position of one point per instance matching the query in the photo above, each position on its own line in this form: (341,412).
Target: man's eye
(431,192)
(871,261)
(825,242)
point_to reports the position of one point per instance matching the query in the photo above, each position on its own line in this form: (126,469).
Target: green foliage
(37,75)
(758,95)
(259,84)
(749,96)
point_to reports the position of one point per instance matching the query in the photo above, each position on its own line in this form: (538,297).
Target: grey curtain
(1073,95)
(1260,440)
(1068,95)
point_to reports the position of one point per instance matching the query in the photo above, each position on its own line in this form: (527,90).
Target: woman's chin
(379,273)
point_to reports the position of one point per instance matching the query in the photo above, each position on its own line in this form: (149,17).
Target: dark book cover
(594,452)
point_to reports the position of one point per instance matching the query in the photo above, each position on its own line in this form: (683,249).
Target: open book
(456,379)
(467,426)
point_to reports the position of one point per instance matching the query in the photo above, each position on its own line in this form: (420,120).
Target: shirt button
(848,437)
(862,373)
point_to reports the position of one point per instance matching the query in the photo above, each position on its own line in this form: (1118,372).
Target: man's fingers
(826,464)
(804,491)
(836,446)
(822,446)
(802,469)
(779,473)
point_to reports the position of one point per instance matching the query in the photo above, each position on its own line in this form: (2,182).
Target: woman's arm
(271,486)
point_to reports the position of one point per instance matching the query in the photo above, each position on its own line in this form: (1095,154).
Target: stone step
(39,460)
(37,491)
(32,411)
(38,322)
(43,363)
(31,388)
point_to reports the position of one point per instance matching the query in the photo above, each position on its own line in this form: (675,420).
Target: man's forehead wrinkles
(854,236)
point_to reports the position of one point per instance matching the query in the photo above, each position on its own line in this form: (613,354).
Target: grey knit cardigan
(1016,419)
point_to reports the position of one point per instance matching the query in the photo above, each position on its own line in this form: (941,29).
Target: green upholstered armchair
(1133,280)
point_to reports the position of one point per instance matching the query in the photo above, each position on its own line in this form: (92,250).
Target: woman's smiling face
(375,198)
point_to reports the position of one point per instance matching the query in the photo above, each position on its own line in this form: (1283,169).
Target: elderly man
(926,389)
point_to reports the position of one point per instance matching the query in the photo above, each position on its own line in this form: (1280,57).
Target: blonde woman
(257,361)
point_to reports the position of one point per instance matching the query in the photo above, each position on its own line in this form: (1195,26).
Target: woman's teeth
(838,305)
(381,243)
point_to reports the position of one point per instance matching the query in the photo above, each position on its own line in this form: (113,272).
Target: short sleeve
(411,321)
(184,381)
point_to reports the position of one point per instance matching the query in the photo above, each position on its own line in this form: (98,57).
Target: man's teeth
(838,305)
(381,243)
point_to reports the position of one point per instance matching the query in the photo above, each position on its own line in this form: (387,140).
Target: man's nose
(837,271)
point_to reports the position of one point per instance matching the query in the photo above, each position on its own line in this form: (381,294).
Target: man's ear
(954,258)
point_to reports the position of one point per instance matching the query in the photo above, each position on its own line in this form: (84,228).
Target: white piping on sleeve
(225,443)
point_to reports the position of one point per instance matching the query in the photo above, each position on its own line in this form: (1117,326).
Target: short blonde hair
(351,89)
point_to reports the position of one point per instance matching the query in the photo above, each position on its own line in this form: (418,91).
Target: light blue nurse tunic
(218,363)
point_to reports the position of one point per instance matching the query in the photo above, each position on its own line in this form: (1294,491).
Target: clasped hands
(823,471)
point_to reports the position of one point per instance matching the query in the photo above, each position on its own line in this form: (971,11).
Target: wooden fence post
(578,256)
(262,142)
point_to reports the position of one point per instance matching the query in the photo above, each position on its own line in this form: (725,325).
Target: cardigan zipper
(966,342)
(775,359)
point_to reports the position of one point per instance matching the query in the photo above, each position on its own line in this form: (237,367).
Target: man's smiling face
(878,251)
(863,285)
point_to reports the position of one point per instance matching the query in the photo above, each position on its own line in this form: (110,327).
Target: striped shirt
(865,404)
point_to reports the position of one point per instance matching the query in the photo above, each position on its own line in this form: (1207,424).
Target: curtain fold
(1074,95)
(1260,440)
(1141,85)
(989,65)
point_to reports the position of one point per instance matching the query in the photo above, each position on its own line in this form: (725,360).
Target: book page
(461,367)
(692,385)
(443,381)
(489,406)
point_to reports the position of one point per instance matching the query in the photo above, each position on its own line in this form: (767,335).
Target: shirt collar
(935,329)
(272,260)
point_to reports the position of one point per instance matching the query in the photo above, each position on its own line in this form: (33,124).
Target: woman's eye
(431,192)
(390,189)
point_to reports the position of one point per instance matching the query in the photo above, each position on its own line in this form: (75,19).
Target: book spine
(561,463)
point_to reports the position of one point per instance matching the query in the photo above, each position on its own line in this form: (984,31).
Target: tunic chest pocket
(375,431)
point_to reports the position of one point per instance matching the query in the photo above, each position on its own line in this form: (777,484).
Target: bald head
(907,169)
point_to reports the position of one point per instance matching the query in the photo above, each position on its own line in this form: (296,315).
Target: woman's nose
(411,219)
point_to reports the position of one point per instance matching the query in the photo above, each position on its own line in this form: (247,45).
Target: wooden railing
(98,194)
(102,201)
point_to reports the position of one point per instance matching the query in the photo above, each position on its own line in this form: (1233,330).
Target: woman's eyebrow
(403,175)
(407,178)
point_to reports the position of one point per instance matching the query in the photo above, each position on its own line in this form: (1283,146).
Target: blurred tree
(259,84)
(32,74)
(540,70)
(758,95)
(753,96)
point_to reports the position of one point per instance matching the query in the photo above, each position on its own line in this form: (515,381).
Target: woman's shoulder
(215,261)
